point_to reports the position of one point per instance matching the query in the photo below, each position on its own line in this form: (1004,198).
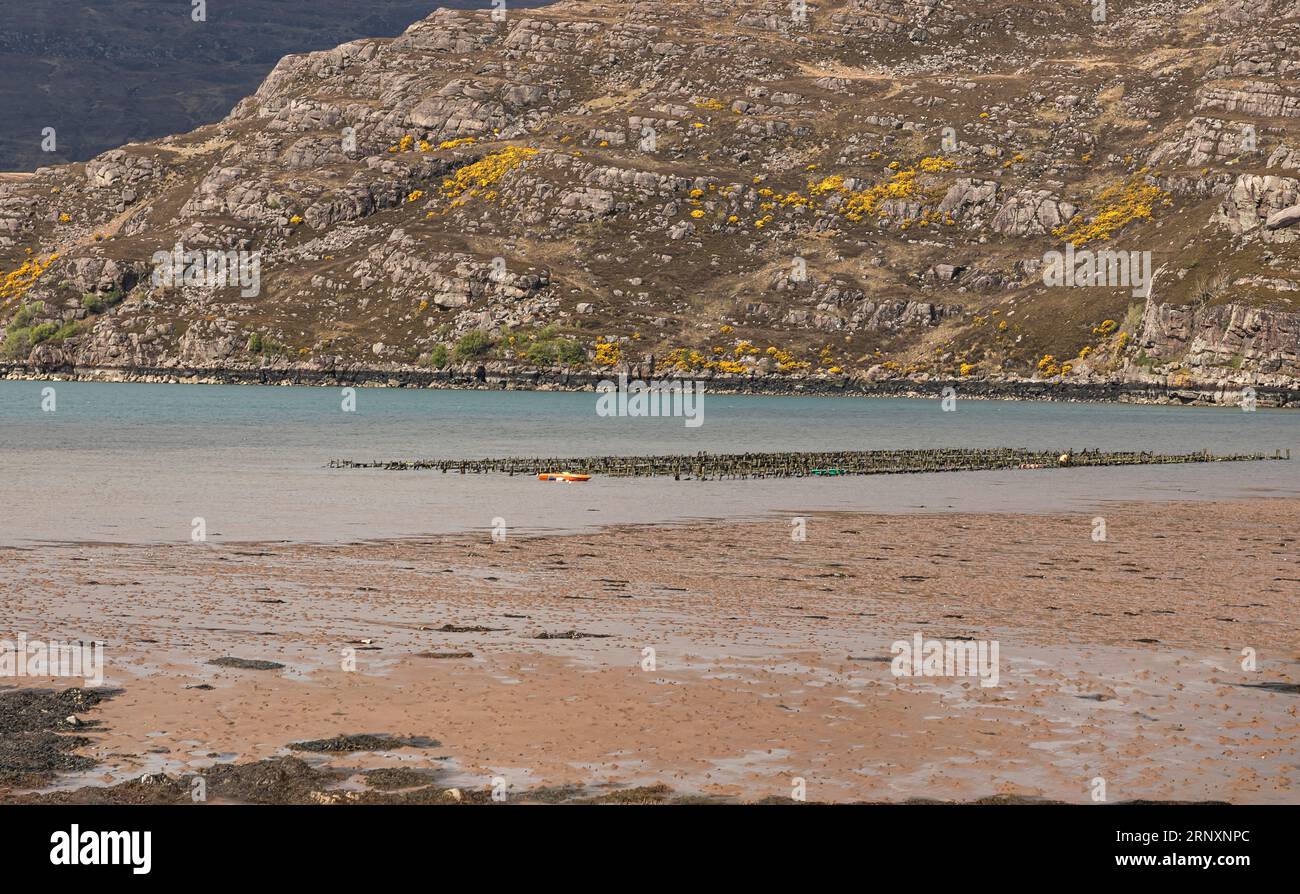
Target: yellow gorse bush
(833,183)
(466,182)
(785,361)
(685,360)
(1117,205)
(902,184)
(16,283)
(608,353)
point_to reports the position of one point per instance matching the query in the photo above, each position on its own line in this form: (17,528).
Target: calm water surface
(136,463)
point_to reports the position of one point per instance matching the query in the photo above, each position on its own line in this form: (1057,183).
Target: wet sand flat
(721,659)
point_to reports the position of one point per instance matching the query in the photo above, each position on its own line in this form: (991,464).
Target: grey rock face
(1031,213)
(1246,339)
(1254,200)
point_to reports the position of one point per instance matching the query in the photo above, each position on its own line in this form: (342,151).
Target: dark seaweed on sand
(362,742)
(246,663)
(33,741)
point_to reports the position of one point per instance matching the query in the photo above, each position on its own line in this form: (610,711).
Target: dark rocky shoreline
(486,378)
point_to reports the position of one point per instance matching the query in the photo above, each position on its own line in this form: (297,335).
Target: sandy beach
(710,660)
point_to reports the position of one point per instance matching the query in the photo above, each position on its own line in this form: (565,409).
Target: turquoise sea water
(137,462)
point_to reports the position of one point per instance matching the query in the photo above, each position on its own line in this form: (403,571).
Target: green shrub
(18,343)
(67,330)
(43,332)
(546,347)
(540,353)
(21,336)
(26,313)
(438,356)
(264,344)
(472,345)
(571,353)
(94,303)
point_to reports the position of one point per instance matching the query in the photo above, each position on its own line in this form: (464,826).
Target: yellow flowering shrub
(902,184)
(1116,206)
(685,360)
(17,282)
(785,361)
(832,184)
(608,353)
(466,182)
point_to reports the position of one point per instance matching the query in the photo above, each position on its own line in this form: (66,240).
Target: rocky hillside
(867,191)
(101,74)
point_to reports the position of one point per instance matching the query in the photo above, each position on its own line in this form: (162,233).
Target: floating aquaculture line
(714,466)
